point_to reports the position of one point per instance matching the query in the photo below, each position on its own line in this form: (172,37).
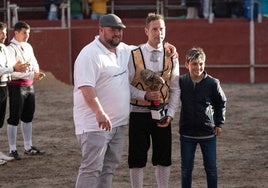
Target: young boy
(203,105)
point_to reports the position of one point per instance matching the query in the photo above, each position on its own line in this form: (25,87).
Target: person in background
(98,8)
(142,128)
(21,91)
(6,68)
(205,6)
(192,8)
(52,9)
(76,10)
(203,106)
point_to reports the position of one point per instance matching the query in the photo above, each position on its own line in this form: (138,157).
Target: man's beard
(114,43)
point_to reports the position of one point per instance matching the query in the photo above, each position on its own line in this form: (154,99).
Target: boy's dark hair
(195,54)
(20,25)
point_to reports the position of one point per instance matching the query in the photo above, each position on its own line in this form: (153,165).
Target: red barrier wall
(225,42)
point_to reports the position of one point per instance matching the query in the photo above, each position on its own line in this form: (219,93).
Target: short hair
(152,17)
(195,54)
(3,25)
(20,25)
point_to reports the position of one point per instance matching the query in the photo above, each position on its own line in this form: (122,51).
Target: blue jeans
(96,16)
(208,149)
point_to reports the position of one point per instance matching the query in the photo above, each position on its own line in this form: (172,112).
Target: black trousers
(3,104)
(21,104)
(143,130)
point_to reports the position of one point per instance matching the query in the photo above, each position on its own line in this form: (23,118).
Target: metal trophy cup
(154,81)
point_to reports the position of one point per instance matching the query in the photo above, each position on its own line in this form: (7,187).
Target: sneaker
(5,158)
(34,151)
(15,155)
(2,162)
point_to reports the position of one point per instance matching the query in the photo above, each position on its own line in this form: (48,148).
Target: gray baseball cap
(111,20)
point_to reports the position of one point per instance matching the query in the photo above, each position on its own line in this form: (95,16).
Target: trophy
(154,81)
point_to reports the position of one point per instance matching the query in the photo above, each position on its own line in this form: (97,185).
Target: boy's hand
(20,67)
(218,131)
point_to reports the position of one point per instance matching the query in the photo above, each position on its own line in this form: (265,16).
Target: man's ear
(146,31)
(186,65)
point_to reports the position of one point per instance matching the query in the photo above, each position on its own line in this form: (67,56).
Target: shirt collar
(14,41)
(150,48)
(103,48)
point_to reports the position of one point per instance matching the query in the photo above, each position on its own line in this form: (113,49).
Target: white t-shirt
(107,72)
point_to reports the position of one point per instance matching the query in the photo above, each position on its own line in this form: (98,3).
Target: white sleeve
(174,89)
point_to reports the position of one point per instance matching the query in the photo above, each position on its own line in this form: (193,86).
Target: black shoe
(15,155)
(34,151)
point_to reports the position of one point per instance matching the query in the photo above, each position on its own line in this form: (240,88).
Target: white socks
(12,137)
(26,129)
(162,174)
(136,177)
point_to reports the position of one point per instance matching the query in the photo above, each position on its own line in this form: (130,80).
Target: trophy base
(158,113)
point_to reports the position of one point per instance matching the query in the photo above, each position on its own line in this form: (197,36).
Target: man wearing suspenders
(6,68)
(21,91)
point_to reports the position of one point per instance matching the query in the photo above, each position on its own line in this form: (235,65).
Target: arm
(11,65)
(220,108)
(174,94)
(93,103)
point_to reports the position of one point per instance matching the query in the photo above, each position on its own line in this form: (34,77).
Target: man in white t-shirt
(101,103)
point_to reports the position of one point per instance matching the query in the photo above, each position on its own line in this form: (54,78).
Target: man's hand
(20,67)
(170,50)
(39,75)
(104,121)
(152,95)
(165,123)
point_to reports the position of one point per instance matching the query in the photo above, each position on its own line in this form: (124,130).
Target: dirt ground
(242,148)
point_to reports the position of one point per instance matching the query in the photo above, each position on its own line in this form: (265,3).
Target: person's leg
(161,158)
(94,16)
(190,12)
(3,103)
(16,99)
(26,129)
(27,114)
(115,142)
(136,177)
(188,148)
(206,8)
(208,148)
(92,145)
(162,174)
(139,144)
(12,137)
